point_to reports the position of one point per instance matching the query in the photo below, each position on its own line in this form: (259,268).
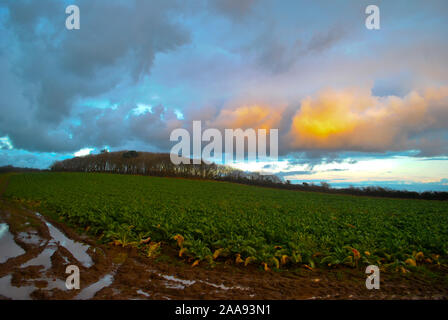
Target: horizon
(336,184)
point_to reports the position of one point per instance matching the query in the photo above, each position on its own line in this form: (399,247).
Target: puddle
(90,291)
(30,238)
(173,286)
(55,284)
(8,247)
(223,287)
(15,293)
(77,249)
(180,283)
(143,293)
(43,259)
(24,292)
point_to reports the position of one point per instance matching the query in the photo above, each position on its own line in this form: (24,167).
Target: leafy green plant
(250,225)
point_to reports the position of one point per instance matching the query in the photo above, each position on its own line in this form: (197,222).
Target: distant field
(269,227)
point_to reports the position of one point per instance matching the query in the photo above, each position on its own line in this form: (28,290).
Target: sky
(353,106)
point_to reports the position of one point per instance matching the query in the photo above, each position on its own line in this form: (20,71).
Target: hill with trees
(159,164)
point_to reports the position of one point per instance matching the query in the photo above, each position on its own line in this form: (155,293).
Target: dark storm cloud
(276,53)
(234,9)
(118,126)
(321,41)
(46,68)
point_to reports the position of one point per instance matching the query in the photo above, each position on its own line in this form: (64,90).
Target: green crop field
(212,221)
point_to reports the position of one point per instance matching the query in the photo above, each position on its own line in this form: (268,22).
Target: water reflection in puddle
(179,283)
(143,293)
(90,291)
(8,247)
(24,292)
(12,292)
(223,287)
(43,259)
(30,238)
(77,249)
(55,284)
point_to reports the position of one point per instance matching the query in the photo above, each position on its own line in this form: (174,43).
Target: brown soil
(125,273)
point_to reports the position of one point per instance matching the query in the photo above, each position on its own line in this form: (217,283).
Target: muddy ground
(35,251)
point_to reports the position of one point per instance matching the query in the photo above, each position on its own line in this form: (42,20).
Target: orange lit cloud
(350,120)
(353,119)
(249,116)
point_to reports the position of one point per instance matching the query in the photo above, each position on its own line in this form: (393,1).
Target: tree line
(159,164)
(153,164)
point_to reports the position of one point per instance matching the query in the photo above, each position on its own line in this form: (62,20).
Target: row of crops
(211,221)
